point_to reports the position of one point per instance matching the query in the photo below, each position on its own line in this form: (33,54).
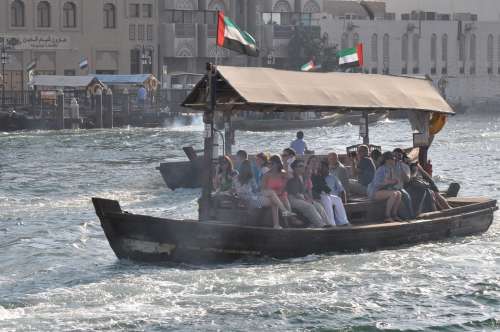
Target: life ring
(153,84)
(96,87)
(436,123)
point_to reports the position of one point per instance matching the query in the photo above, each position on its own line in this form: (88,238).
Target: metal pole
(4,60)
(208,119)
(366,138)
(98,108)
(60,110)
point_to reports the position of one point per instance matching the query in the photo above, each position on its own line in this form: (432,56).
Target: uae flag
(308,66)
(31,66)
(230,36)
(351,57)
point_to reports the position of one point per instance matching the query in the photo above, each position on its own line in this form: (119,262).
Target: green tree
(307,44)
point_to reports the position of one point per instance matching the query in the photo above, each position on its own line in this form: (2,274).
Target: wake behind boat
(229,229)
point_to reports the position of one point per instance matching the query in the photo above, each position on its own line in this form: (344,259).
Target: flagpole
(216,41)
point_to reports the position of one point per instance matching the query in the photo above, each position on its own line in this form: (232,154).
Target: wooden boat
(150,239)
(227,230)
(284,124)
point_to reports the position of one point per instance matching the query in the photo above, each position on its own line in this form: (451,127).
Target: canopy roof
(125,79)
(64,81)
(267,89)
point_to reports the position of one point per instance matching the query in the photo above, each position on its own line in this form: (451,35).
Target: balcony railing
(184,30)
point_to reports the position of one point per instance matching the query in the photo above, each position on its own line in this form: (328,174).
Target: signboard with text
(40,41)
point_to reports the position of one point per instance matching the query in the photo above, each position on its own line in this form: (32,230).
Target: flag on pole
(84,63)
(351,57)
(308,66)
(31,66)
(230,36)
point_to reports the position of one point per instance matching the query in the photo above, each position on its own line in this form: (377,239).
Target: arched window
(374,48)
(385,53)
(404,48)
(69,15)
(17,14)
(217,5)
(433,47)
(184,5)
(109,16)
(311,6)
(344,41)
(285,9)
(43,14)
(444,48)
(282,6)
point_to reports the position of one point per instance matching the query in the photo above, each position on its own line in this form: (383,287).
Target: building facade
(458,50)
(113,36)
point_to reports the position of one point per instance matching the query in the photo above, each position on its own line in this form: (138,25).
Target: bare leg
(276,218)
(397,204)
(388,195)
(275,200)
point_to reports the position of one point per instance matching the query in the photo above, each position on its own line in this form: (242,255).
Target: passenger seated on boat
(376,157)
(402,169)
(363,171)
(424,192)
(261,168)
(338,169)
(241,156)
(382,187)
(244,187)
(223,181)
(327,188)
(288,156)
(275,181)
(299,145)
(300,199)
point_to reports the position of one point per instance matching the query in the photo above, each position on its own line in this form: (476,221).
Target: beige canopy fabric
(269,89)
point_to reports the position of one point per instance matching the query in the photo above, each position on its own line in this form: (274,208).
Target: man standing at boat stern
(299,145)
(338,169)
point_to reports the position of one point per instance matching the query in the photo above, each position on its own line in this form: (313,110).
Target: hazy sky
(488,10)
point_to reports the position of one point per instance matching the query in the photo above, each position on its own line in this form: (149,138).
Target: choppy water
(58,273)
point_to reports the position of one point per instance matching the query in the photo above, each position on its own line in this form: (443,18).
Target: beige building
(114,36)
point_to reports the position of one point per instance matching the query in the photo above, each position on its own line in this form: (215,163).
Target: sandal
(287,214)
(397,219)
(388,220)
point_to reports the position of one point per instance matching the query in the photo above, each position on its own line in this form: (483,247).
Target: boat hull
(150,239)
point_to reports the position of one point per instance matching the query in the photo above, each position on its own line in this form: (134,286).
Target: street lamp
(145,58)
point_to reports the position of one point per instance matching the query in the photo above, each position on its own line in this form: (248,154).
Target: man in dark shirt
(364,170)
(299,197)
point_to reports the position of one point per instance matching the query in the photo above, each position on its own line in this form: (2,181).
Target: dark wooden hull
(150,239)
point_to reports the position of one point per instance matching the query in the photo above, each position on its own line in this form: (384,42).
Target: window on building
(135,61)
(43,14)
(433,47)
(17,14)
(109,16)
(355,39)
(147,10)
(489,53)
(374,48)
(385,53)
(131,32)
(140,31)
(444,48)
(69,72)
(416,48)
(461,48)
(472,50)
(404,48)
(69,15)
(344,41)
(149,32)
(178,16)
(134,10)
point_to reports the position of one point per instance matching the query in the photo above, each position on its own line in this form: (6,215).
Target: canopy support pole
(205,203)
(366,137)
(228,133)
